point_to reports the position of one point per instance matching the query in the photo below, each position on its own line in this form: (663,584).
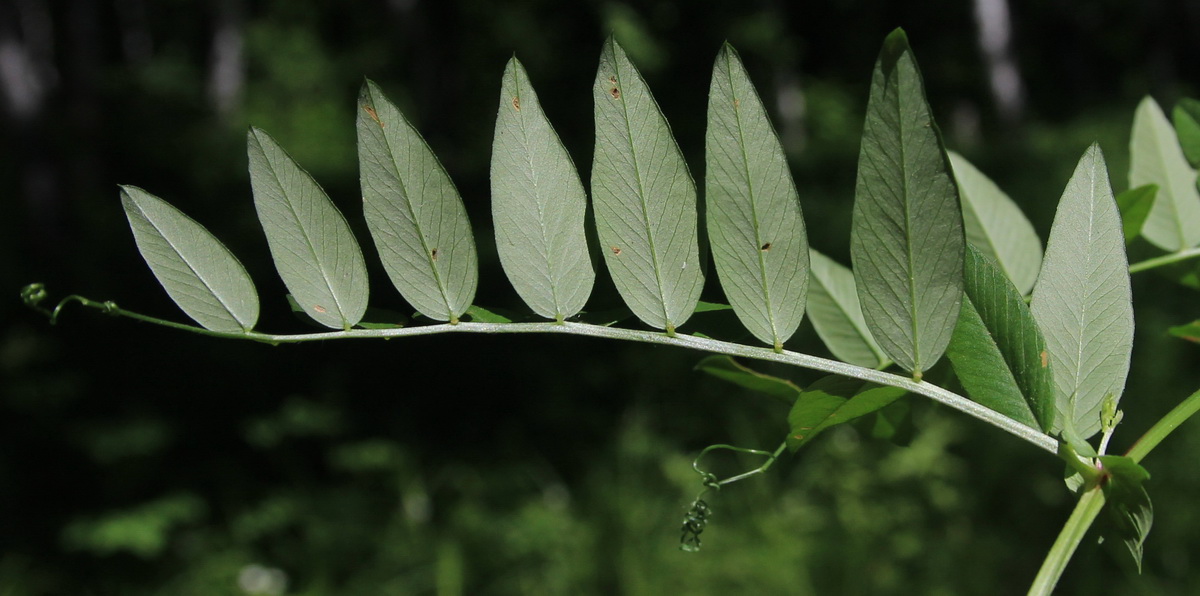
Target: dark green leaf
(754,221)
(644,197)
(1156,158)
(1190,331)
(312,245)
(835,313)
(906,241)
(195,269)
(725,367)
(414,212)
(1187,128)
(1128,505)
(1082,301)
(480,314)
(996,226)
(997,351)
(538,205)
(834,400)
(1135,205)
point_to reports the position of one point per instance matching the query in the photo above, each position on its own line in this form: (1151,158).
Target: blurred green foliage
(139,461)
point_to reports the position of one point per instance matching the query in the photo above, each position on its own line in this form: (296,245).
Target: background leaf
(195,269)
(906,241)
(644,197)
(312,246)
(414,212)
(1187,127)
(538,205)
(754,221)
(835,313)
(1082,300)
(997,226)
(1156,158)
(998,352)
(1130,512)
(834,400)
(1134,205)
(726,368)
(1189,331)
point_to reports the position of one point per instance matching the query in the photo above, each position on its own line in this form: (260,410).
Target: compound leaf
(906,240)
(835,313)
(414,212)
(645,199)
(997,350)
(312,245)
(1156,158)
(754,221)
(1082,300)
(195,269)
(996,226)
(538,205)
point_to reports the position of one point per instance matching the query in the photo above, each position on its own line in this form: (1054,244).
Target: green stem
(943,396)
(1175,257)
(1072,534)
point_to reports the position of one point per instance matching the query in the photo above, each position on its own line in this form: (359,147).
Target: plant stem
(1165,426)
(1072,534)
(1175,257)
(948,398)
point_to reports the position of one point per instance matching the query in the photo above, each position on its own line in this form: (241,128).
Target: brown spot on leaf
(1045,359)
(433,254)
(517,104)
(616,93)
(616,251)
(612,80)
(319,308)
(765,247)
(737,103)
(374,116)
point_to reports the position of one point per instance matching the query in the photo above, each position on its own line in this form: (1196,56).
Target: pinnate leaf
(312,245)
(195,269)
(414,212)
(996,226)
(538,205)
(835,313)
(1156,158)
(755,225)
(1082,301)
(644,196)
(997,350)
(906,240)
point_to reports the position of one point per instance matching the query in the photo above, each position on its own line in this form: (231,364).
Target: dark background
(135,459)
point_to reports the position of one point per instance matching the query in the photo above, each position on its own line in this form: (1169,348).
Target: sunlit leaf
(414,212)
(195,269)
(996,226)
(312,245)
(1187,127)
(834,400)
(906,241)
(997,351)
(835,313)
(754,221)
(1135,205)
(538,205)
(726,368)
(1156,158)
(645,199)
(1082,300)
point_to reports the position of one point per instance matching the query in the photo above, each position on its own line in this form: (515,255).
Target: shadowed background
(134,459)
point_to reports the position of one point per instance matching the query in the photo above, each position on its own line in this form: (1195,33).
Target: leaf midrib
(762,261)
(533,173)
(189,265)
(304,233)
(662,294)
(412,214)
